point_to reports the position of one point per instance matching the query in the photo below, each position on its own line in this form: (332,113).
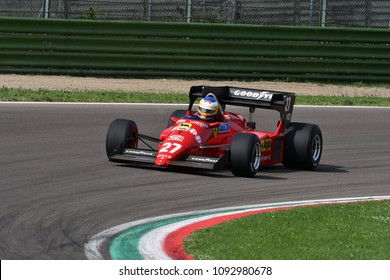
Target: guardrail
(181,50)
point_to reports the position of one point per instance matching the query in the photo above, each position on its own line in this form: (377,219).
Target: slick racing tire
(122,134)
(302,146)
(176,114)
(245,155)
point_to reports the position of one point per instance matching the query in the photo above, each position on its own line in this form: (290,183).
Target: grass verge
(358,231)
(42,95)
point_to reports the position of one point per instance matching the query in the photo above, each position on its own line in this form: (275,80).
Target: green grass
(17,94)
(43,95)
(343,100)
(358,231)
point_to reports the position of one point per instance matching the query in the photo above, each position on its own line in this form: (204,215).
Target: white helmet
(207,108)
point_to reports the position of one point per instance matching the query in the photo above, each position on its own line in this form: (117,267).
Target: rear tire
(302,146)
(121,134)
(245,155)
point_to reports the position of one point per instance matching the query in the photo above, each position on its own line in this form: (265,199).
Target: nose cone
(163,162)
(170,150)
(178,143)
(182,140)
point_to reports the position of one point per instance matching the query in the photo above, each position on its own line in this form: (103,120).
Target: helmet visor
(206,110)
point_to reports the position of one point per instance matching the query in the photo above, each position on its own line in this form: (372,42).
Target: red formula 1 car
(229,141)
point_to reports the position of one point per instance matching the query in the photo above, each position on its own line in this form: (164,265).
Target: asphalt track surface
(57,188)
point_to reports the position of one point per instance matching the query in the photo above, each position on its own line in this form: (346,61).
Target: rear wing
(283,102)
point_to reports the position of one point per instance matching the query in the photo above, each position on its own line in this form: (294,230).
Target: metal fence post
(46,9)
(149,12)
(323,13)
(311,12)
(189,10)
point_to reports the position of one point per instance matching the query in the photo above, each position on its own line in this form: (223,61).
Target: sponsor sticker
(184,126)
(266,145)
(199,123)
(215,131)
(264,158)
(203,159)
(224,127)
(256,95)
(164,156)
(194,132)
(138,152)
(177,138)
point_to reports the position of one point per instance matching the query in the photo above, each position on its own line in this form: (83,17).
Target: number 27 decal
(170,147)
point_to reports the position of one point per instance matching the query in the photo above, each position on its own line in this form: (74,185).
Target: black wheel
(121,134)
(176,114)
(245,155)
(302,146)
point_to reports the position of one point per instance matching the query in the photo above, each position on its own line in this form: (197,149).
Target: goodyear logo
(266,145)
(257,95)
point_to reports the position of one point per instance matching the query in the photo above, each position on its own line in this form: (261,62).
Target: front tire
(245,155)
(302,146)
(121,134)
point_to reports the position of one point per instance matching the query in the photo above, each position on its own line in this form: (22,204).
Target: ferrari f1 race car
(229,141)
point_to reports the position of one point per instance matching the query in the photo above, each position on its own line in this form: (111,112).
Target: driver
(208,108)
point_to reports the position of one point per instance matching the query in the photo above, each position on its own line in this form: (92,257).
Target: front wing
(142,156)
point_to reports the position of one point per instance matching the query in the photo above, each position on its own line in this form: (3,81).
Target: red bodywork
(192,136)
